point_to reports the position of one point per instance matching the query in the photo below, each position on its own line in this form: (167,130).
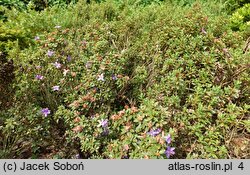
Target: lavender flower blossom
(103,123)
(39,77)
(78,156)
(105,132)
(45,112)
(37,38)
(55,88)
(50,53)
(168,139)
(57,65)
(114,77)
(169,151)
(69,58)
(154,132)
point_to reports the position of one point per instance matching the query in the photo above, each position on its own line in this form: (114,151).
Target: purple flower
(101,77)
(69,58)
(124,157)
(103,123)
(154,132)
(168,139)
(78,156)
(55,88)
(169,151)
(114,77)
(45,112)
(203,31)
(50,53)
(39,77)
(57,65)
(105,132)
(37,38)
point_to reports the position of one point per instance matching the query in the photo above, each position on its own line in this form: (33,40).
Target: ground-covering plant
(35,4)
(240,19)
(130,81)
(232,5)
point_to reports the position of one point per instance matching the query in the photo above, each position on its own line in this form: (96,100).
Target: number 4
(241,166)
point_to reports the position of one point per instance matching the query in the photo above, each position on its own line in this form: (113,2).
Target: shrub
(240,19)
(232,5)
(131,82)
(13,3)
(36,4)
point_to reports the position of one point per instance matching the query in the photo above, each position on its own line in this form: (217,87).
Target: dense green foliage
(35,4)
(241,18)
(113,84)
